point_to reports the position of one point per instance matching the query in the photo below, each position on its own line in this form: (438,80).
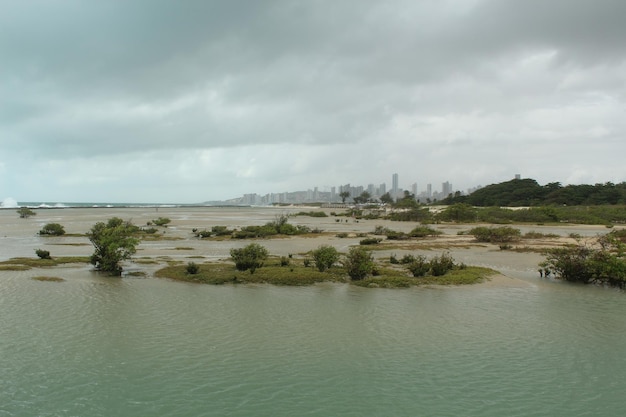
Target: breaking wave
(9,203)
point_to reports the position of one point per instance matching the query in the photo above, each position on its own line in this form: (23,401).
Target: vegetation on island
(161,221)
(253,264)
(52,229)
(280,226)
(114,242)
(599,261)
(43,254)
(25,212)
(24,264)
(325,256)
(249,258)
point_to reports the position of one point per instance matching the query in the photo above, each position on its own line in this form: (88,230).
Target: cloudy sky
(196,100)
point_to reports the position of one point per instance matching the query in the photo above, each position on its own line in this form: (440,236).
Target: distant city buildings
(333,194)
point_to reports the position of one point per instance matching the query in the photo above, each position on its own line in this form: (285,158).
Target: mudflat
(19,237)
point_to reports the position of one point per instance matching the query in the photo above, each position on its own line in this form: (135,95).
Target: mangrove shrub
(249,257)
(358,263)
(114,242)
(324,257)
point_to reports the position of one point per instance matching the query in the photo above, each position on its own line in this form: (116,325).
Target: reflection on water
(127,347)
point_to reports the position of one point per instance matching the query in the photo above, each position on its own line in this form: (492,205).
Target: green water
(93,346)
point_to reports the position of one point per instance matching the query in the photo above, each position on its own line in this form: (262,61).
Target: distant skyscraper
(414,189)
(394,185)
(446,189)
(429,190)
(382,189)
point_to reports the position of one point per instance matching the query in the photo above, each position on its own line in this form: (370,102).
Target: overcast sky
(188,101)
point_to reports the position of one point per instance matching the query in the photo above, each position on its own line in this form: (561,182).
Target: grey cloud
(110,79)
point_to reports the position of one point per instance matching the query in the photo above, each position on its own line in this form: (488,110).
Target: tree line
(527,192)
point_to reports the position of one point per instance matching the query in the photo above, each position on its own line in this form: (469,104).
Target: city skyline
(332,193)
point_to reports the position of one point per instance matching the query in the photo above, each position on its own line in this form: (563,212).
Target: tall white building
(394,186)
(446,189)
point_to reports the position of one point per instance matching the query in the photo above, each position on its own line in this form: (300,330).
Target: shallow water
(127,347)
(94,346)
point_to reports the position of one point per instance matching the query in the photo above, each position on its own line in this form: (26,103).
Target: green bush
(407,259)
(502,234)
(43,254)
(441,264)
(25,212)
(358,263)
(423,231)
(324,257)
(249,257)
(602,263)
(114,242)
(161,221)
(312,214)
(192,268)
(459,212)
(419,267)
(221,231)
(370,241)
(393,235)
(52,229)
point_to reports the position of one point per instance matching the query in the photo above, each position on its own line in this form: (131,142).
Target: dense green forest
(527,192)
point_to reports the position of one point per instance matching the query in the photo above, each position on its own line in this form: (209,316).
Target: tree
(344,195)
(363,198)
(386,198)
(114,242)
(604,262)
(408,201)
(324,257)
(358,263)
(458,212)
(25,212)
(249,257)
(52,229)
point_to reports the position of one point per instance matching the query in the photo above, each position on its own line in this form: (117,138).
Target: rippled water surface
(94,346)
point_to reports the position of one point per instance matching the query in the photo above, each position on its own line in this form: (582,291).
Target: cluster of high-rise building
(347,192)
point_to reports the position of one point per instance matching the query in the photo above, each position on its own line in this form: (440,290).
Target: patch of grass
(297,274)
(538,235)
(136,274)
(412,245)
(42,263)
(145,261)
(390,278)
(48,279)
(157,237)
(14,267)
(528,249)
(225,273)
